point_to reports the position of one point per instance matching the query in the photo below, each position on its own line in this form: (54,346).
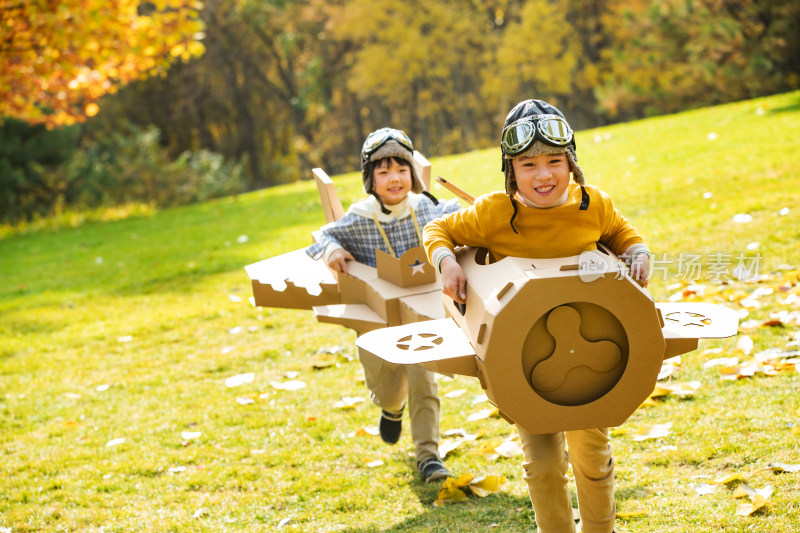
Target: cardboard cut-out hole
(462,308)
(484,257)
(687,319)
(419,341)
(578,356)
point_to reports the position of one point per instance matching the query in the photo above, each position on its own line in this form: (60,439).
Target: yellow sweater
(542,233)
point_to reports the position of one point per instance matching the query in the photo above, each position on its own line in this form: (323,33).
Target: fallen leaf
(781,467)
(480,415)
(704,489)
(730,478)
(447,446)
(451,491)
(288,385)
(652,432)
(722,361)
(347,403)
(240,379)
(747,509)
(509,448)
(486,485)
(745,344)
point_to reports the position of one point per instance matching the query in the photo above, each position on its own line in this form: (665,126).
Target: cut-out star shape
(688,318)
(418,267)
(419,341)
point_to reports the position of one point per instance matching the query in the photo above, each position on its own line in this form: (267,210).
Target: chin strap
(432,197)
(380,203)
(513,216)
(584,199)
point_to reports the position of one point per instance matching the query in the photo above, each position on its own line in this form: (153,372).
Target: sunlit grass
(128,329)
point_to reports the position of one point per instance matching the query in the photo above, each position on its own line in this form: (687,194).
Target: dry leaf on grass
(455,489)
(240,379)
(781,467)
(288,385)
(348,403)
(758,499)
(652,432)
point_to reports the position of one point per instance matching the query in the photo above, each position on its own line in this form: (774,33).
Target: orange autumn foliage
(58,57)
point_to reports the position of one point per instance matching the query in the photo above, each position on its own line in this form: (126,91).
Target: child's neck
(397,208)
(530,203)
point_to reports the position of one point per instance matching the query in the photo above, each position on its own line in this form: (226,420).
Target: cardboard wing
(685,323)
(292,281)
(438,345)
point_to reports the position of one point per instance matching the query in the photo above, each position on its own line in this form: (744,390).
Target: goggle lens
(551,129)
(376,139)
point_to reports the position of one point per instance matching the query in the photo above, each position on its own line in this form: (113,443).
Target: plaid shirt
(360,236)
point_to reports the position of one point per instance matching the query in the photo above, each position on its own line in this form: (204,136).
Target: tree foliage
(58,57)
(288,85)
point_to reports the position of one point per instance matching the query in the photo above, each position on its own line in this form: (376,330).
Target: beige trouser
(545,465)
(389,384)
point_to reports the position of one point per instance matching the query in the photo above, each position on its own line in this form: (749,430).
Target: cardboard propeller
(558,344)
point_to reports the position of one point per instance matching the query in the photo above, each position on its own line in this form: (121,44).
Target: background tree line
(286,85)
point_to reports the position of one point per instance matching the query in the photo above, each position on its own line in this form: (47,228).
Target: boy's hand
(640,268)
(454,281)
(338,260)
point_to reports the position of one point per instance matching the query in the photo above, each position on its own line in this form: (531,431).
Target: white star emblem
(418,267)
(419,341)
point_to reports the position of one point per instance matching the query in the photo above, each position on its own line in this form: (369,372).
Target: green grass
(123,329)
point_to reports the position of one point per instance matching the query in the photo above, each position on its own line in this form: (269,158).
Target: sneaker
(432,469)
(390,426)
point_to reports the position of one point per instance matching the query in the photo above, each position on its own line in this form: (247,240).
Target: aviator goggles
(550,129)
(378,138)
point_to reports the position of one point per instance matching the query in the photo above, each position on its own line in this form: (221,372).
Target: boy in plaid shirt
(391,219)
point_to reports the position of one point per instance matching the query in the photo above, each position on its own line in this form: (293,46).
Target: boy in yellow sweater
(542,214)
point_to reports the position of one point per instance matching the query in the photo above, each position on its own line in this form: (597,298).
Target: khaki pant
(389,385)
(545,465)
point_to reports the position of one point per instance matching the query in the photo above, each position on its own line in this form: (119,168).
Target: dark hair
(380,163)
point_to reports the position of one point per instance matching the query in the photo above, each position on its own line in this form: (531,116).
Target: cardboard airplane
(557,344)
(397,291)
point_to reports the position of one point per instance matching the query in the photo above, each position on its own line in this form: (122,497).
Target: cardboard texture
(397,291)
(558,344)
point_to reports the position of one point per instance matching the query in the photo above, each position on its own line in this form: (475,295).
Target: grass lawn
(117,338)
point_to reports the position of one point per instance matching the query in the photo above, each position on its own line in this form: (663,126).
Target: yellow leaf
(747,509)
(660,391)
(449,493)
(743,491)
(728,479)
(630,514)
(486,485)
(91,109)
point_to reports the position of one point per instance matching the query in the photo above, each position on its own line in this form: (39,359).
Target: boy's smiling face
(392,181)
(543,178)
